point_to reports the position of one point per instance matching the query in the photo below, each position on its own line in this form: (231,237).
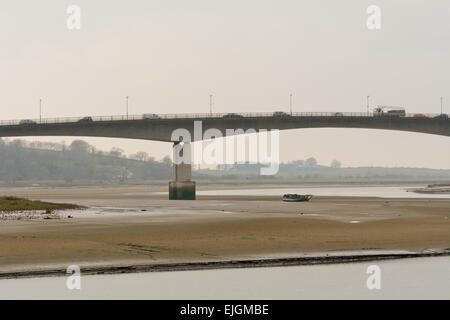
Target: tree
(298,163)
(311,162)
(336,164)
(167,161)
(141,156)
(79,146)
(116,152)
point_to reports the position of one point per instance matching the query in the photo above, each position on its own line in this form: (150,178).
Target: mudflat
(136,225)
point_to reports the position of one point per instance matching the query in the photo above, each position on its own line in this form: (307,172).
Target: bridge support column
(182,187)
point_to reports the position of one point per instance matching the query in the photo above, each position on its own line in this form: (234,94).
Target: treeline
(80,161)
(311,171)
(20,160)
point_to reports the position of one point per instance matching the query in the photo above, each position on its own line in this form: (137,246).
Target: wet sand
(116,232)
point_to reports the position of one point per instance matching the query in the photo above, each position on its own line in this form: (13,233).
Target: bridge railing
(199,116)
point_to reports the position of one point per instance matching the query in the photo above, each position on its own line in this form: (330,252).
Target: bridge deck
(205,116)
(160,127)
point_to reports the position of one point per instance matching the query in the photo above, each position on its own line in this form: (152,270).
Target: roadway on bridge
(160,127)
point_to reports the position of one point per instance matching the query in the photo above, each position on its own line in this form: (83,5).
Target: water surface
(382,191)
(420,278)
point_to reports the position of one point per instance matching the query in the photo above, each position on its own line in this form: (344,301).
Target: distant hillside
(79,161)
(302,171)
(23,163)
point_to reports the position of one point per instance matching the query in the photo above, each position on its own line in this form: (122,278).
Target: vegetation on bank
(10,203)
(56,164)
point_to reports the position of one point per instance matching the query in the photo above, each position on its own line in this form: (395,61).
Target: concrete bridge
(160,128)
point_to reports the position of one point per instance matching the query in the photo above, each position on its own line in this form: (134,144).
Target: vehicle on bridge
(386,111)
(281,114)
(151,116)
(233,115)
(442,116)
(27,121)
(85,119)
(420,115)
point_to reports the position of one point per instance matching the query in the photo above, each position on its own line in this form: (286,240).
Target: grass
(11,203)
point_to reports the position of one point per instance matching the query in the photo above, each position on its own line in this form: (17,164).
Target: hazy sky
(168,56)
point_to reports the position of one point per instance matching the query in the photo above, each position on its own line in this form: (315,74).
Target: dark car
(233,115)
(85,119)
(281,114)
(442,116)
(338,114)
(150,116)
(27,121)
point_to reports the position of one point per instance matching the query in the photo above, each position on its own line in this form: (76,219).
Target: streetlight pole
(127,106)
(442,104)
(40,110)
(210,104)
(290,103)
(368,97)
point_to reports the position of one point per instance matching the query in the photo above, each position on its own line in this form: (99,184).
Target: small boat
(297,197)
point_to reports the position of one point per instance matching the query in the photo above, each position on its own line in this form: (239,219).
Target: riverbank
(13,204)
(135,227)
(433,189)
(232,264)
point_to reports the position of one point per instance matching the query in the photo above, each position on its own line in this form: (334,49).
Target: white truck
(387,111)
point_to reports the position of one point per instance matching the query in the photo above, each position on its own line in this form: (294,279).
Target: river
(420,278)
(360,191)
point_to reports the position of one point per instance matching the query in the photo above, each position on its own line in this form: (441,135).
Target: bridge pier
(182,187)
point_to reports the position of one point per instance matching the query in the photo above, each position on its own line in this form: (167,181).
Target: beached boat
(297,197)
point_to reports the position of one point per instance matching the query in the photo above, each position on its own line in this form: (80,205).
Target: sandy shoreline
(134,228)
(232,264)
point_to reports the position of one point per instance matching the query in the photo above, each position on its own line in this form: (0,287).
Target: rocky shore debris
(433,189)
